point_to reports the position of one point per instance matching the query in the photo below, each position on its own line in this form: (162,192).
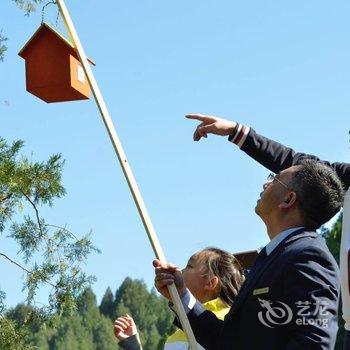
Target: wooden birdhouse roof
(247,258)
(44,27)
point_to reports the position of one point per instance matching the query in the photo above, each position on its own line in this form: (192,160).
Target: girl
(213,276)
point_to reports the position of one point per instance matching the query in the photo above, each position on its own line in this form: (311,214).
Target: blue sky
(282,68)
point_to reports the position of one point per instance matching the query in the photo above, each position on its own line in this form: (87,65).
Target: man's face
(275,192)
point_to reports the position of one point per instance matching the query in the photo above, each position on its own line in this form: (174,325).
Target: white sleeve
(188,302)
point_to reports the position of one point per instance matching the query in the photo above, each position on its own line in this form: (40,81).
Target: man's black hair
(320,192)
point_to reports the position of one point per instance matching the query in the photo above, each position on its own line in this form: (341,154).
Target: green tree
(41,338)
(25,321)
(28,6)
(151,313)
(86,329)
(50,255)
(72,334)
(12,336)
(164,320)
(132,297)
(107,303)
(153,337)
(333,239)
(88,310)
(3,47)
(103,334)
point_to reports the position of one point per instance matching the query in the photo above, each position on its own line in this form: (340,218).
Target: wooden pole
(126,169)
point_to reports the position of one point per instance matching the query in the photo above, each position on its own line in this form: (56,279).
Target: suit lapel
(254,275)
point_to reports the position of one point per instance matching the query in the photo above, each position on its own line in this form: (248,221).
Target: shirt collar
(278,239)
(215,305)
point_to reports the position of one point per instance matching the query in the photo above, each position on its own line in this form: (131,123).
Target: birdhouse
(53,69)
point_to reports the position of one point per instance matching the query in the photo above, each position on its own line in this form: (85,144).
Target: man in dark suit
(271,154)
(290,298)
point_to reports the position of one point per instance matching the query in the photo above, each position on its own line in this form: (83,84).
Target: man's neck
(274,230)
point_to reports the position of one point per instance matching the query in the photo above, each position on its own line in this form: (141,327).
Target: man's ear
(289,200)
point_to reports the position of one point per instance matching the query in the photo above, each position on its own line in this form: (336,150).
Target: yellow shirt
(178,340)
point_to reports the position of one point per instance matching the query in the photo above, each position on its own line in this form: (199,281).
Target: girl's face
(197,278)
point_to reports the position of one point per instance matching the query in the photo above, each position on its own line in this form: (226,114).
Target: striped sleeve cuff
(188,302)
(239,135)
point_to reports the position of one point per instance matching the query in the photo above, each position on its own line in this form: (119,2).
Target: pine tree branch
(23,268)
(62,228)
(36,213)
(2,199)
(14,262)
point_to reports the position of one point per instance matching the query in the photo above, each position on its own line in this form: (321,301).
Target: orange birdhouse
(53,70)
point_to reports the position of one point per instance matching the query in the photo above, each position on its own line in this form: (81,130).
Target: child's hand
(124,327)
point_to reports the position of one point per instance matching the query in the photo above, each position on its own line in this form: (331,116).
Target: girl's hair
(226,267)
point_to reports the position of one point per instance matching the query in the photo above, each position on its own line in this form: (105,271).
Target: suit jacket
(289,302)
(277,157)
